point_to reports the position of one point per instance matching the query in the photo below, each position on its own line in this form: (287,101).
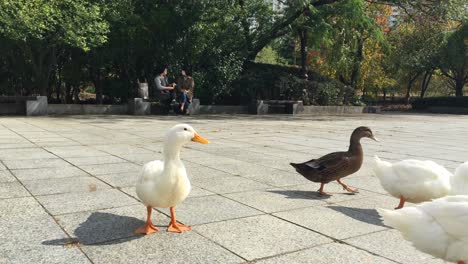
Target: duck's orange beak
(200,139)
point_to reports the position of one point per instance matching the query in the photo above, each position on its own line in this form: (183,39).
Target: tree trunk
(303,39)
(408,89)
(357,64)
(68,93)
(425,82)
(459,84)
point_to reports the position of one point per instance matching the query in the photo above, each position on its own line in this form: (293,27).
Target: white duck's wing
(148,181)
(459,181)
(422,180)
(451,212)
(151,171)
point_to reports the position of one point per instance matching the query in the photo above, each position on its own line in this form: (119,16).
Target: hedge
(442,101)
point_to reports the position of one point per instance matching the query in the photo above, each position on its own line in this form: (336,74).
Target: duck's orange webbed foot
(401,204)
(347,188)
(176,227)
(148,228)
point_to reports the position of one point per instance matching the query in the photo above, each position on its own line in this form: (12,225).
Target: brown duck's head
(361,132)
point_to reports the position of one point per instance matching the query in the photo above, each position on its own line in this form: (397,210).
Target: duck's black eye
(185,128)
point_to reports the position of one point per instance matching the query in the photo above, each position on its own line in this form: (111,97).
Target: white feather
(417,181)
(459,181)
(437,228)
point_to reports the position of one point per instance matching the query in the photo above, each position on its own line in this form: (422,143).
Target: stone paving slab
(6,176)
(35,163)
(247,204)
(260,236)
(390,244)
(328,253)
(26,241)
(65,185)
(49,173)
(76,202)
(12,189)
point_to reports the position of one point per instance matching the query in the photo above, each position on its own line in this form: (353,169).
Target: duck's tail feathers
(459,181)
(380,166)
(404,220)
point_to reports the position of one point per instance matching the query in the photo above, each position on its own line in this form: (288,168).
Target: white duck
(437,227)
(419,181)
(164,183)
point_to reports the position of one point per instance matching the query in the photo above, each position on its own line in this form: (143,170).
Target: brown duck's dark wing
(327,168)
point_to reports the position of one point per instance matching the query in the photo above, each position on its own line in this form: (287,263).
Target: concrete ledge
(316,109)
(137,106)
(79,109)
(197,109)
(38,107)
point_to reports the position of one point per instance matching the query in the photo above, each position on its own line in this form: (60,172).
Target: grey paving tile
(274,200)
(105,225)
(25,154)
(328,254)
(35,163)
(335,190)
(228,184)
(65,185)
(20,208)
(121,179)
(12,190)
(324,220)
(122,149)
(207,209)
(111,168)
(95,160)
(48,173)
(77,202)
(394,243)
(260,236)
(26,241)
(162,247)
(76,151)
(6,176)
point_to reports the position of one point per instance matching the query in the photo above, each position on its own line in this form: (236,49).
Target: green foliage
(76,23)
(58,46)
(331,92)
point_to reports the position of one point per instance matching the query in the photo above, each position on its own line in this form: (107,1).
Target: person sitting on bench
(166,91)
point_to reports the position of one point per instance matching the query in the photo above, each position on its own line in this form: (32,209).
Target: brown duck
(336,165)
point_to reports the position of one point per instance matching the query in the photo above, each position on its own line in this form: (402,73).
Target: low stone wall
(82,109)
(197,109)
(334,110)
(23,105)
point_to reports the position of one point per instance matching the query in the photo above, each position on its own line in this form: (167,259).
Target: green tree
(38,29)
(454,57)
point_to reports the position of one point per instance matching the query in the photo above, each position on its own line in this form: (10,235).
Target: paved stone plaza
(67,189)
